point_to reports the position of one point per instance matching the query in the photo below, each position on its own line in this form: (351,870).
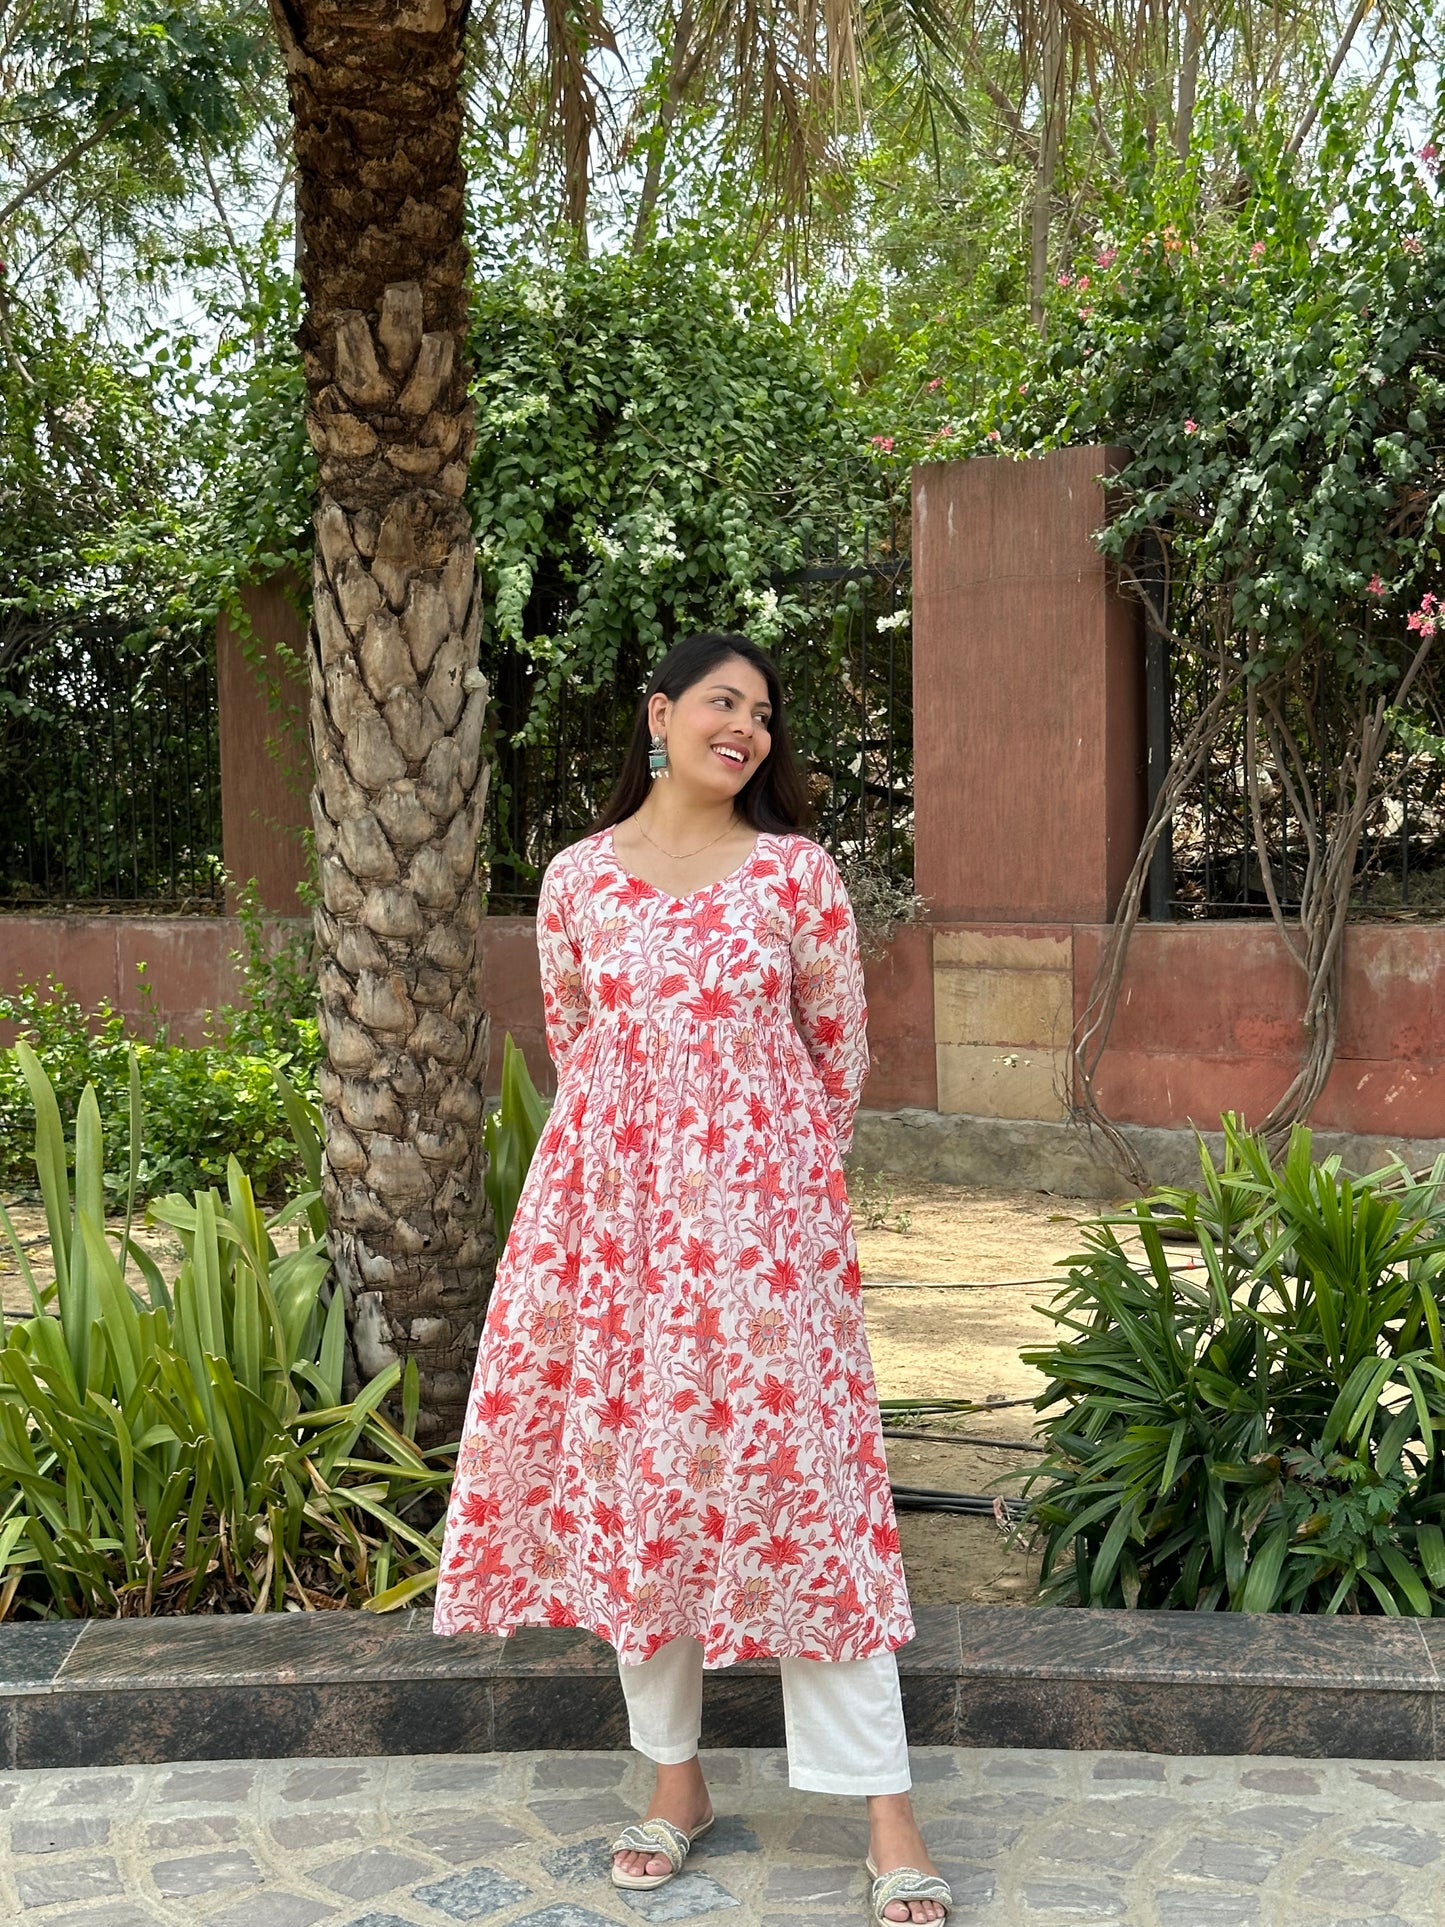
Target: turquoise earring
(657,758)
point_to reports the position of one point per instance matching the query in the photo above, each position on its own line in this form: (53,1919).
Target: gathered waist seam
(687,1020)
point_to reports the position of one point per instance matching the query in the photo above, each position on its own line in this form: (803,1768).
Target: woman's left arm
(828,1002)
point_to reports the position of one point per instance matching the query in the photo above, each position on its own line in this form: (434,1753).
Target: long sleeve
(828,1002)
(564,994)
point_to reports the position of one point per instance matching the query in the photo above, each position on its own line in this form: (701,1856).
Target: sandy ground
(1004,1246)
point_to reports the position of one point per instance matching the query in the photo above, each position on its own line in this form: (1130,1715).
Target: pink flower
(935,384)
(883,442)
(1412,244)
(1430,158)
(1083,282)
(1374,586)
(1066,280)
(1084,313)
(1106,257)
(1428,618)
(994,436)
(1023,388)
(1191,427)
(1256,253)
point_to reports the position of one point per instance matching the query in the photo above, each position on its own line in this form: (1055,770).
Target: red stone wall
(265,772)
(1029,767)
(1027,694)
(191,974)
(1209,1020)
(1028,784)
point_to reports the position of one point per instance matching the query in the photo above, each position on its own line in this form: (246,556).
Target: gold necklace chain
(680,856)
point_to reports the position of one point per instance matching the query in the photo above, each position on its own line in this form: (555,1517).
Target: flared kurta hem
(673,1428)
(713,1660)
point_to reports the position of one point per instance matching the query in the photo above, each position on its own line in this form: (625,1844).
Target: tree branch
(42,181)
(1311,114)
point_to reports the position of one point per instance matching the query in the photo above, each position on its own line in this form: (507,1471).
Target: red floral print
(673,1427)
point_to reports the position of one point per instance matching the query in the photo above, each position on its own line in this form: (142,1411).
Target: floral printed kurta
(673,1427)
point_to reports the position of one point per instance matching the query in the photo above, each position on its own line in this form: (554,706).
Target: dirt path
(938,1343)
(962,1344)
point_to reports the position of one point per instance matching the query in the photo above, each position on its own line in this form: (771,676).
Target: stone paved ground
(518,1840)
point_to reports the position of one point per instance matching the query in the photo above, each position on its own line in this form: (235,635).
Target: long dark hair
(775,796)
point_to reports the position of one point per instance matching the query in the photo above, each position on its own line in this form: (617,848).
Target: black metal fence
(109,773)
(109,753)
(847,668)
(1211,867)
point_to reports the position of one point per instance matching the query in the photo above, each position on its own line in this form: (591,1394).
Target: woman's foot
(894,1841)
(681,1796)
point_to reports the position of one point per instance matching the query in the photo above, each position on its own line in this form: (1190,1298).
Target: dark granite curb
(109,1692)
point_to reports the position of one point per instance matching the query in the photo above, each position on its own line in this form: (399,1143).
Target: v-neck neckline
(657,890)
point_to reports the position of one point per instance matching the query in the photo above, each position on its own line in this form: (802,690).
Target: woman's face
(716,731)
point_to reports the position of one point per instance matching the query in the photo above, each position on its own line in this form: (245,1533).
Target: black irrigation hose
(919,1498)
(892,1408)
(965,1438)
(1194,1266)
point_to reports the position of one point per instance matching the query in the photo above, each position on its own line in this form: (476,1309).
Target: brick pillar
(265,763)
(1028,761)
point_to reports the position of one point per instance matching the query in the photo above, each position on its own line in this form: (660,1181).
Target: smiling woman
(710,764)
(709,741)
(674,1436)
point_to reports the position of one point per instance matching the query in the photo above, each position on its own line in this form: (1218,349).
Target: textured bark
(397,700)
(1051,112)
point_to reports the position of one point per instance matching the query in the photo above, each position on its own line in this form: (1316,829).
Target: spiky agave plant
(187,1447)
(1263,1433)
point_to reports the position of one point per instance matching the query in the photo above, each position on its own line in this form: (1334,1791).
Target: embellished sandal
(652,1837)
(905,1884)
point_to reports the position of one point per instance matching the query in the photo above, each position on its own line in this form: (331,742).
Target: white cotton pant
(844,1718)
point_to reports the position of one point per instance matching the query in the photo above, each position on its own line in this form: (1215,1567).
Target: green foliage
(278,968)
(926,278)
(206,1104)
(173,71)
(258,456)
(873,1199)
(1273,368)
(1261,1432)
(188,1448)
(654,446)
(510,1134)
(85,473)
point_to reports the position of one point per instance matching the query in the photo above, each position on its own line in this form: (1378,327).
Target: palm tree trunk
(682,65)
(397,701)
(1051,113)
(1188,92)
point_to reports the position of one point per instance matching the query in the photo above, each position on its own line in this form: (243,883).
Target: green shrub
(509,1135)
(1258,1433)
(204,1104)
(188,1449)
(277,963)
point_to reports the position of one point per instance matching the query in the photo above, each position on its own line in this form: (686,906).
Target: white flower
(898,620)
(766,622)
(656,541)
